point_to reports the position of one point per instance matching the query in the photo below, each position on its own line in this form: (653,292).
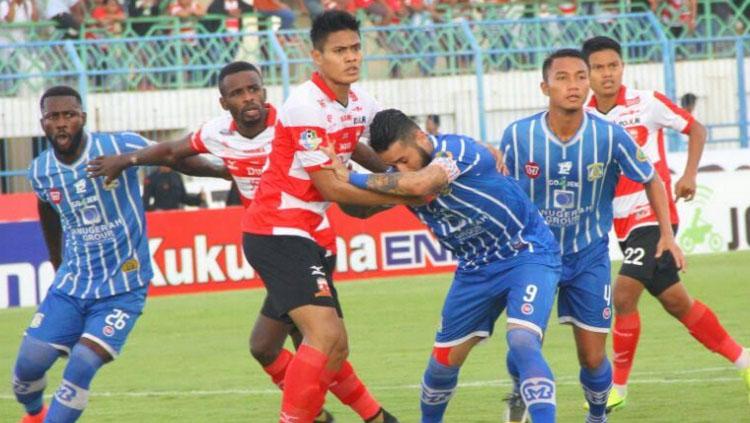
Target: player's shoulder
(305,103)
(359,94)
(526,121)
(217,126)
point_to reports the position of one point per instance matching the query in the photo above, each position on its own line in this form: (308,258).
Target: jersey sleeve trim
(677,111)
(196,142)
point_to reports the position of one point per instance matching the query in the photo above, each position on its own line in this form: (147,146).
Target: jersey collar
(320,83)
(619,101)
(574,139)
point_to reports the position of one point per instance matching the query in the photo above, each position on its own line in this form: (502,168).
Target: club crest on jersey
(91,215)
(595,171)
(130,265)
(563,168)
(323,289)
(309,140)
(532,170)
(55,196)
(641,156)
(37,320)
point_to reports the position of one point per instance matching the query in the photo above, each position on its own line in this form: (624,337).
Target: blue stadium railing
(492,46)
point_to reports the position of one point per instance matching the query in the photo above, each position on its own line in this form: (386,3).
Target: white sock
(622,390)
(743,362)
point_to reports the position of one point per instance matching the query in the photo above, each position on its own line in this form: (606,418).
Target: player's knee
(34,359)
(591,359)
(443,355)
(326,338)
(339,353)
(264,353)
(625,304)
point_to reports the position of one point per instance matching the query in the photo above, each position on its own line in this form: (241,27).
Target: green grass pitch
(188,361)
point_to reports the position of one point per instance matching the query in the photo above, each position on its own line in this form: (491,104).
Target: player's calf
(72,396)
(438,385)
(29,381)
(536,383)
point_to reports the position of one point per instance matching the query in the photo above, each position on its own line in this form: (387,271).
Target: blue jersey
(482,216)
(105,248)
(573,183)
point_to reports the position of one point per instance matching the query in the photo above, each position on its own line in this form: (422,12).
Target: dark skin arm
(178,155)
(367,158)
(52,231)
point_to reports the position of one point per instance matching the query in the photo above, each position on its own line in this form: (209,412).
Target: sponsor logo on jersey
(641,156)
(109,186)
(360,120)
(527,309)
(310,140)
(80,186)
(532,170)
(55,196)
(563,168)
(595,171)
(130,265)
(91,215)
(563,199)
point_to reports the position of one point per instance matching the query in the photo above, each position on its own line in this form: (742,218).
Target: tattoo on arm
(386,183)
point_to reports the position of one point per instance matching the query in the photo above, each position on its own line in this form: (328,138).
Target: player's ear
(263,95)
(223,103)
(316,56)
(84,116)
(545,88)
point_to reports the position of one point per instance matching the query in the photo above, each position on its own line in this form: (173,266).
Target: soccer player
(569,161)
(645,115)
(96,237)
(242,139)
(507,256)
(286,230)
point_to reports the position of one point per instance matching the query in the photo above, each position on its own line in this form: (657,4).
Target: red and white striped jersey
(243,157)
(287,202)
(645,115)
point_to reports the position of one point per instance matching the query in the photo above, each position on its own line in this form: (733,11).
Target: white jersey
(644,114)
(243,157)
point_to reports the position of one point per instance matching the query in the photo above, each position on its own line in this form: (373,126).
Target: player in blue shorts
(507,256)
(568,162)
(96,237)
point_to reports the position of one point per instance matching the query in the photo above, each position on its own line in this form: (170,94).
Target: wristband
(359,180)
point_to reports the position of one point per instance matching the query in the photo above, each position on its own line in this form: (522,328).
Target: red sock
(277,369)
(705,327)
(351,391)
(624,343)
(303,397)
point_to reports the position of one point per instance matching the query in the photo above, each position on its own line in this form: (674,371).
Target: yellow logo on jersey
(130,265)
(596,171)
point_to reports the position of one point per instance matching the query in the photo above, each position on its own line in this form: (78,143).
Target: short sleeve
(374,108)
(304,127)
(669,115)
(196,142)
(633,162)
(130,141)
(33,176)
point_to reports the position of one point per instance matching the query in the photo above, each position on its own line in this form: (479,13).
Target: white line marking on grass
(664,379)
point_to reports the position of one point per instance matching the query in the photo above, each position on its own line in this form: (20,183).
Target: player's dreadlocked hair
(60,91)
(236,67)
(559,54)
(388,126)
(330,22)
(600,43)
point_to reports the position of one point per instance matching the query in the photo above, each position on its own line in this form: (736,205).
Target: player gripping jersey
(507,256)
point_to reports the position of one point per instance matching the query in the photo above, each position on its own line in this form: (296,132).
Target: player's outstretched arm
(52,231)
(335,190)
(687,185)
(175,154)
(657,197)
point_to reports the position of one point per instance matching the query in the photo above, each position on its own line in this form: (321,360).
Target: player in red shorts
(242,139)
(646,114)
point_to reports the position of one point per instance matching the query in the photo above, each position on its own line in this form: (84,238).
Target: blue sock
(512,371)
(438,386)
(596,385)
(537,385)
(34,359)
(71,398)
